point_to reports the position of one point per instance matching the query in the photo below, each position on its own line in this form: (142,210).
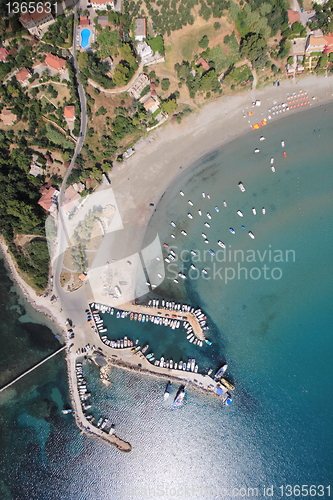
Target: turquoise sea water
(275,334)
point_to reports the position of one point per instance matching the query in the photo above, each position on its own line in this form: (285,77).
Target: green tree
(254,48)
(165,84)
(169,106)
(217,26)
(204,42)
(82,60)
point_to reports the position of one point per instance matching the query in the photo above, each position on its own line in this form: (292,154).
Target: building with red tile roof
(33,21)
(140,30)
(293,16)
(69,113)
(3,54)
(55,62)
(204,64)
(22,76)
(49,197)
(84,21)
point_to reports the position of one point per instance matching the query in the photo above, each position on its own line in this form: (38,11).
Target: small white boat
(257,150)
(232,230)
(262,138)
(224,203)
(204,271)
(282,144)
(193,252)
(175,280)
(183,232)
(173,224)
(263,210)
(241,187)
(203,195)
(206,241)
(208,215)
(203,235)
(221,244)
(173,236)
(190,216)
(272,168)
(207,224)
(240,213)
(251,235)
(254,211)
(181,193)
(272,161)
(217,209)
(199,212)
(192,266)
(181,275)
(190,203)
(208,196)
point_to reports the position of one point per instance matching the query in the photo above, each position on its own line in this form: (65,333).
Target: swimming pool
(85,35)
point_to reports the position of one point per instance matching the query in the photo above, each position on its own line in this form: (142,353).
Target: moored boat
(220,372)
(228,384)
(221,244)
(254,211)
(251,235)
(167,390)
(179,399)
(240,213)
(232,230)
(241,187)
(263,210)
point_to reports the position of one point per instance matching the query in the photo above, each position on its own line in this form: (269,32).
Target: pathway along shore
(80,419)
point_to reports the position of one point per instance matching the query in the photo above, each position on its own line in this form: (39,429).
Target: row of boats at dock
(103,423)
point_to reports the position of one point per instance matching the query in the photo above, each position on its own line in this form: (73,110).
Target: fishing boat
(179,399)
(203,195)
(228,400)
(183,232)
(206,240)
(240,213)
(140,317)
(282,144)
(220,372)
(181,275)
(192,266)
(190,216)
(162,362)
(241,187)
(203,235)
(167,390)
(257,150)
(131,316)
(284,154)
(165,245)
(172,236)
(225,203)
(254,211)
(180,365)
(211,252)
(272,161)
(262,138)
(272,168)
(193,252)
(204,271)
(207,224)
(208,215)
(66,411)
(251,235)
(210,371)
(208,342)
(199,212)
(232,230)
(221,244)
(228,384)
(173,224)
(263,210)
(192,364)
(190,203)
(181,193)
(176,281)
(217,209)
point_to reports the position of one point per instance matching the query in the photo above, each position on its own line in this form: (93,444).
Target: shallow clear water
(275,334)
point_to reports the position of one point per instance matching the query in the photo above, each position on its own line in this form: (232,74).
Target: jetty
(31,369)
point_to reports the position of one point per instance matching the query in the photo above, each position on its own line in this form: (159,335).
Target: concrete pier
(31,369)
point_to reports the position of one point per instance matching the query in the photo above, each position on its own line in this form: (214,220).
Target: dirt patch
(22,240)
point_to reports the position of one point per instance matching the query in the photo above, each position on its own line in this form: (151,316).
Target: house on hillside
(23,76)
(293,16)
(84,21)
(151,104)
(140,83)
(103,21)
(49,199)
(70,199)
(69,113)
(7,117)
(36,168)
(204,64)
(144,51)
(102,4)
(55,62)
(315,44)
(329,44)
(140,29)
(3,54)
(35,21)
